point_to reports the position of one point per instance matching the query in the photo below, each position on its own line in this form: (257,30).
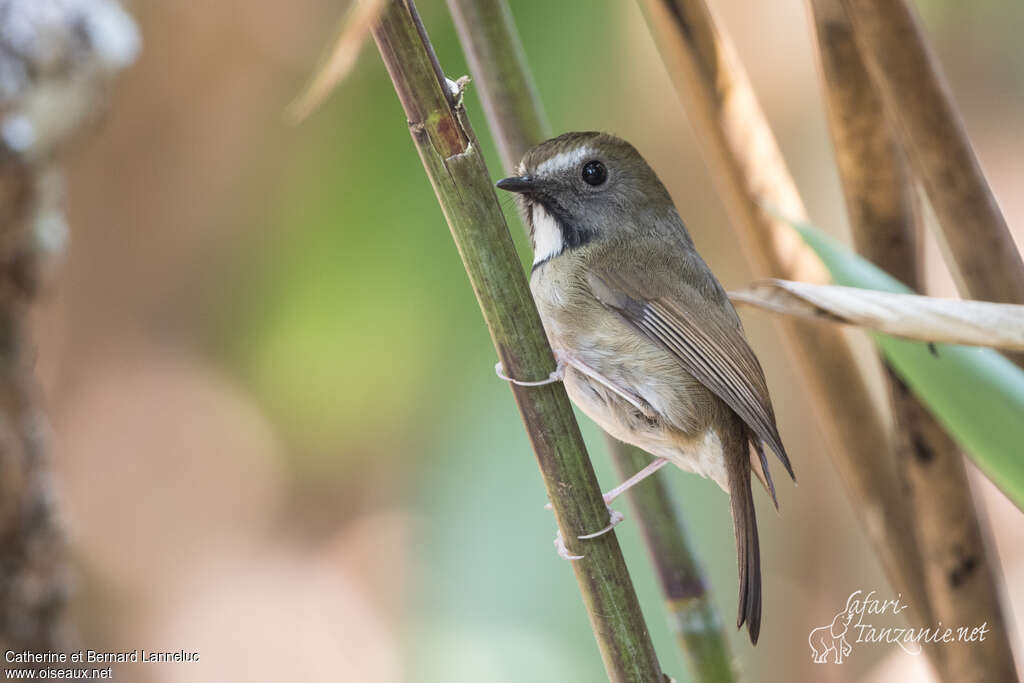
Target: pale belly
(700,453)
(677,418)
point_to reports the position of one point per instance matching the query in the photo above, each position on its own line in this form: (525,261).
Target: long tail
(748,550)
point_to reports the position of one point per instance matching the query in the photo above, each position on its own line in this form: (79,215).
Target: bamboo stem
(917,99)
(692,615)
(516,117)
(514,110)
(747,165)
(452,159)
(961,579)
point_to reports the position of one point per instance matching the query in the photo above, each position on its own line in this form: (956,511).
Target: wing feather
(712,348)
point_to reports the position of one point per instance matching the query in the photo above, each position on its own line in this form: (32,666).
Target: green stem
(516,117)
(691,613)
(497,61)
(452,159)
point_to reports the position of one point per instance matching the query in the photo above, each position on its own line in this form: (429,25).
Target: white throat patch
(547,236)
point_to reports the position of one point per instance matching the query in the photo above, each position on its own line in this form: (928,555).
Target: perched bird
(648,344)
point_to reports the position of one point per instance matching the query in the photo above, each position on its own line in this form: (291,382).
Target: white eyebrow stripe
(564,160)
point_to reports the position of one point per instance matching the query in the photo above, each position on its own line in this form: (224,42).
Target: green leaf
(977,394)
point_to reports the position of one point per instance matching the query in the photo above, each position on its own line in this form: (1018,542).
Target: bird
(647,342)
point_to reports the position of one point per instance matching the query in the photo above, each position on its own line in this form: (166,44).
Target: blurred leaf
(977,394)
(341,57)
(910,316)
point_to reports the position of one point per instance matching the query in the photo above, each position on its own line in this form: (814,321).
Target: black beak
(518,184)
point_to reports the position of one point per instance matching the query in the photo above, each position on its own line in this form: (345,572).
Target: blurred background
(276,428)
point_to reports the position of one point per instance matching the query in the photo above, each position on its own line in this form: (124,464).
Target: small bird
(648,344)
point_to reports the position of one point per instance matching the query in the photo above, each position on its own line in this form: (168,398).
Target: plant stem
(918,101)
(693,618)
(57,74)
(961,579)
(514,110)
(751,174)
(33,574)
(516,117)
(452,159)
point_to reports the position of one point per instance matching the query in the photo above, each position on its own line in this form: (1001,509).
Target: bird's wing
(700,329)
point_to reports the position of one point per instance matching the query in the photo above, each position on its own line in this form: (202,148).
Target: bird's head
(582,187)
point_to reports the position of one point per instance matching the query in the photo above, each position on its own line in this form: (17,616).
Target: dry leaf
(352,34)
(924,318)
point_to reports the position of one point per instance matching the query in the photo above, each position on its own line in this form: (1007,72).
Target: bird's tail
(748,550)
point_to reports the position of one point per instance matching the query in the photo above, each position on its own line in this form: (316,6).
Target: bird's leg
(563,361)
(556,375)
(593,374)
(615,517)
(655,465)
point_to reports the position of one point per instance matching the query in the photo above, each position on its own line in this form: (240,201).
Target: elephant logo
(832,638)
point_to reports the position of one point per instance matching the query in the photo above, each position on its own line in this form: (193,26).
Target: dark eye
(594,173)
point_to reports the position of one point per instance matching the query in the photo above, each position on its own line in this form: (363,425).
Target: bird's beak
(518,184)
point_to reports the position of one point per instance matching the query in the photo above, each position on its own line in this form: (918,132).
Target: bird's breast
(668,413)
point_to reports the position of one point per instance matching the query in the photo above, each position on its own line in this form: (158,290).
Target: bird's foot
(563,552)
(556,375)
(614,519)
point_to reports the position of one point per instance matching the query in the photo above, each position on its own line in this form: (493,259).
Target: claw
(556,375)
(614,519)
(563,552)
(614,516)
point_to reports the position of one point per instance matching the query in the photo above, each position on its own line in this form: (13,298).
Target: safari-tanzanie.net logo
(864,621)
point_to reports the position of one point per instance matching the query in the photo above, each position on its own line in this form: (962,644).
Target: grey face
(579,187)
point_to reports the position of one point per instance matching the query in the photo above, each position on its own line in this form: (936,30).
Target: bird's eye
(594,173)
